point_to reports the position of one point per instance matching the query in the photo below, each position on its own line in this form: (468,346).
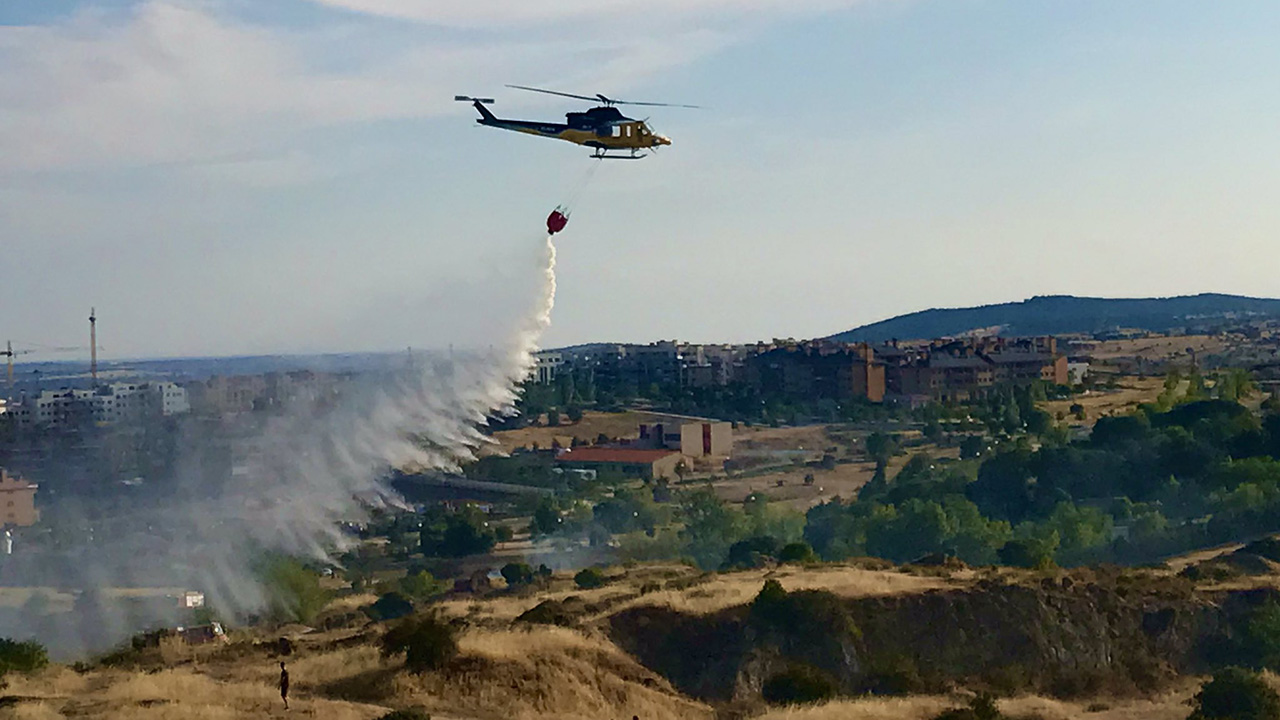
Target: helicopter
(603,128)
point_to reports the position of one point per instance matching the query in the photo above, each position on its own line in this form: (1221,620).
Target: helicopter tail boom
(484,111)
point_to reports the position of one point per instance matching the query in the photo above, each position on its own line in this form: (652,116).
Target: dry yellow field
(1133,391)
(716,592)
(1159,348)
(615,425)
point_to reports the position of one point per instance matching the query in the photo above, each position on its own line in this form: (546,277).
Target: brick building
(820,369)
(17,501)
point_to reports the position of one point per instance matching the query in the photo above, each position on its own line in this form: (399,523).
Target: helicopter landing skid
(607,156)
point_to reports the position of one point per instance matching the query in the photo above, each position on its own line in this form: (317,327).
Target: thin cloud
(491,13)
(175,83)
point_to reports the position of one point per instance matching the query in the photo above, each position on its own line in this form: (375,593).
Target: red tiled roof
(614,455)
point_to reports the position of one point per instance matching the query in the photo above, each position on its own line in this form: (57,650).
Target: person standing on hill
(284,685)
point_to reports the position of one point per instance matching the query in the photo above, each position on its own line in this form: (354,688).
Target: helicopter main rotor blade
(601,98)
(653,104)
(553,92)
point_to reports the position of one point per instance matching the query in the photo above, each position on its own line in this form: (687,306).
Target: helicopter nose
(662,139)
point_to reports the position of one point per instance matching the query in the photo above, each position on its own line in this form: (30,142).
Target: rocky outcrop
(1061,635)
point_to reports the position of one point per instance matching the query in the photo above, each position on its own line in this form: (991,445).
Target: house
(647,464)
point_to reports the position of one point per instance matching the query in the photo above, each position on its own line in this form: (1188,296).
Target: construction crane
(10,354)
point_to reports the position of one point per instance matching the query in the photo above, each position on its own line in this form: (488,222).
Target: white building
(112,404)
(1077,370)
(548,363)
(173,398)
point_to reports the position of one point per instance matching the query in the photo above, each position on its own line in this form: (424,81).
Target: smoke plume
(299,474)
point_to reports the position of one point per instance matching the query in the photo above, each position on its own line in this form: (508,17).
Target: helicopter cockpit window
(628,131)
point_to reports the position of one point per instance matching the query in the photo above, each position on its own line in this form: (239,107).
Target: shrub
(1268,548)
(1236,694)
(589,578)
(427,642)
(26,656)
(504,533)
(391,606)
(517,574)
(770,605)
(750,553)
(1028,553)
(982,707)
(407,714)
(797,552)
(893,675)
(799,684)
(1262,636)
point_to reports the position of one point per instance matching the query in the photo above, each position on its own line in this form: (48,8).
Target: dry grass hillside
(1165,706)
(506,669)
(514,670)
(532,672)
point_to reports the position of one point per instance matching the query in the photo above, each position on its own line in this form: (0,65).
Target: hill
(1063,314)
(666,642)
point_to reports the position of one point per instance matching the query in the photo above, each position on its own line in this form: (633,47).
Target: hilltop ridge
(1064,314)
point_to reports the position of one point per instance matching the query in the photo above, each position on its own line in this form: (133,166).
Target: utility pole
(93,346)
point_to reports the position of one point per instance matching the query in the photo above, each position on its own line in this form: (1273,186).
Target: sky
(225,177)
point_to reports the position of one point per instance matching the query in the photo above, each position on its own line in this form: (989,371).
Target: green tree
(797,552)
(972,446)
(422,585)
(1262,636)
(427,642)
(1236,694)
(546,518)
(517,574)
(589,578)
(710,527)
(1235,384)
(1079,528)
(293,590)
(1030,551)
(881,447)
(457,534)
(766,518)
(24,656)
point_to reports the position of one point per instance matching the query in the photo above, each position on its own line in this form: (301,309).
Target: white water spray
(306,470)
